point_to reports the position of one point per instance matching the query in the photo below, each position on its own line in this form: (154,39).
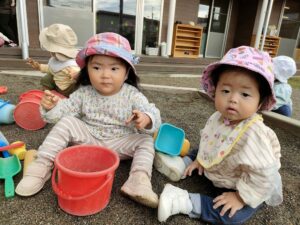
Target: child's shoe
(36,175)
(171,166)
(173,200)
(138,187)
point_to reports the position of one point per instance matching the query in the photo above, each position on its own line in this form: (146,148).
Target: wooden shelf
(271,44)
(186,41)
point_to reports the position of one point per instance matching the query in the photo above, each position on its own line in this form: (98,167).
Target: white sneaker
(171,166)
(173,200)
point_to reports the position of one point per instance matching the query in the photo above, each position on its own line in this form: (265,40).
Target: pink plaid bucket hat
(107,43)
(249,58)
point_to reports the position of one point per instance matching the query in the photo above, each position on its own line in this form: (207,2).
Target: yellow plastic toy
(19,151)
(185,147)
(29,157)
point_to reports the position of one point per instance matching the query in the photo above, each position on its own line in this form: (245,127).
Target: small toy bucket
(32,93)
(82,178)
(170,139)
(27,113)
(6,112)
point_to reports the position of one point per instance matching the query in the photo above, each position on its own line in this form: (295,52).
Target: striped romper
(87,117)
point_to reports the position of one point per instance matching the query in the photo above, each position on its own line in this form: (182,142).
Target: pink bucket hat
(110,44)
(249,58)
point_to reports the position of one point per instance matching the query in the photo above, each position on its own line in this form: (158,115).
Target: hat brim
(282,80)
(53,47)
(209,87)
(105,50)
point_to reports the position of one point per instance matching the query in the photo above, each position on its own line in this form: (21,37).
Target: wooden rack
(271,44)
(186,41)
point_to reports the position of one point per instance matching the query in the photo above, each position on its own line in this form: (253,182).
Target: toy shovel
(8,168)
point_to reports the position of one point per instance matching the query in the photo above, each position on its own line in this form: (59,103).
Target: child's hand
(34,64)
(230,201)
(141,120)
(49,100)
(194,165)
(73,73)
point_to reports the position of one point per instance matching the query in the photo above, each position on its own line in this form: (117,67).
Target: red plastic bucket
(82,178)
(27,112)
(31,93)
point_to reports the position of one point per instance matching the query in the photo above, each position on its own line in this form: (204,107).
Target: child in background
(284,68)
(62,70)
(237,151)
(4,41)
(7,17)
(107,110)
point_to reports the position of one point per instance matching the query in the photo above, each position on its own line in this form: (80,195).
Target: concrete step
(11,59)
(20,64)
(170,68)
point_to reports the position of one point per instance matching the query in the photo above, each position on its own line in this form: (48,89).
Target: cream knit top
(105,116)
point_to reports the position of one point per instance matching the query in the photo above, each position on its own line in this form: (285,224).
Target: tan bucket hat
(59,38)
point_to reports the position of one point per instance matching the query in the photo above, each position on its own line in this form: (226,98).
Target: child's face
(237,95)
(107,74)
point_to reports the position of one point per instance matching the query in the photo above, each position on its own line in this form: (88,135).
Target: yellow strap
(226,152)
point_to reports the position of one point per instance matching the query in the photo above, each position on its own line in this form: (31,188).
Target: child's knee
(148,141)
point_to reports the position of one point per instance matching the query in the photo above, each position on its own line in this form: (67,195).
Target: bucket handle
(4,103)
(63,195)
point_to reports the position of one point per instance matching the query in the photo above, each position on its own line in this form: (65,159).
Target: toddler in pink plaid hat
(238,153)
(107,109)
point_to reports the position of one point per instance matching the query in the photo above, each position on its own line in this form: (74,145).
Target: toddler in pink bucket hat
(250,59)
(238,153)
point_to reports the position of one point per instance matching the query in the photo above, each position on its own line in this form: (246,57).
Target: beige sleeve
(44,68)
(260,164)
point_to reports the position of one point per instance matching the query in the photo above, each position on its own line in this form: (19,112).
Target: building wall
(184,13)
(33,23)
(164,28)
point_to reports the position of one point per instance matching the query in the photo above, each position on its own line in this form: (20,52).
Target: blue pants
(190,157)
(203,209)
(203,204)
(285,110)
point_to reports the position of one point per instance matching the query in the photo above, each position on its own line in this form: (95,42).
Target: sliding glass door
(78,14)
(290,28)
(213,15)
(137,20)
(117,16)
(152,23)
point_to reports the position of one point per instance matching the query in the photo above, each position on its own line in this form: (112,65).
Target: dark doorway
(245,19)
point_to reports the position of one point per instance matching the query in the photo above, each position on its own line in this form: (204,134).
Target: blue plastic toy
(169,139)
(4,142)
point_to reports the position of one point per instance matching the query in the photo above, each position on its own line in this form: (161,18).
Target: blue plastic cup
(6,112)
